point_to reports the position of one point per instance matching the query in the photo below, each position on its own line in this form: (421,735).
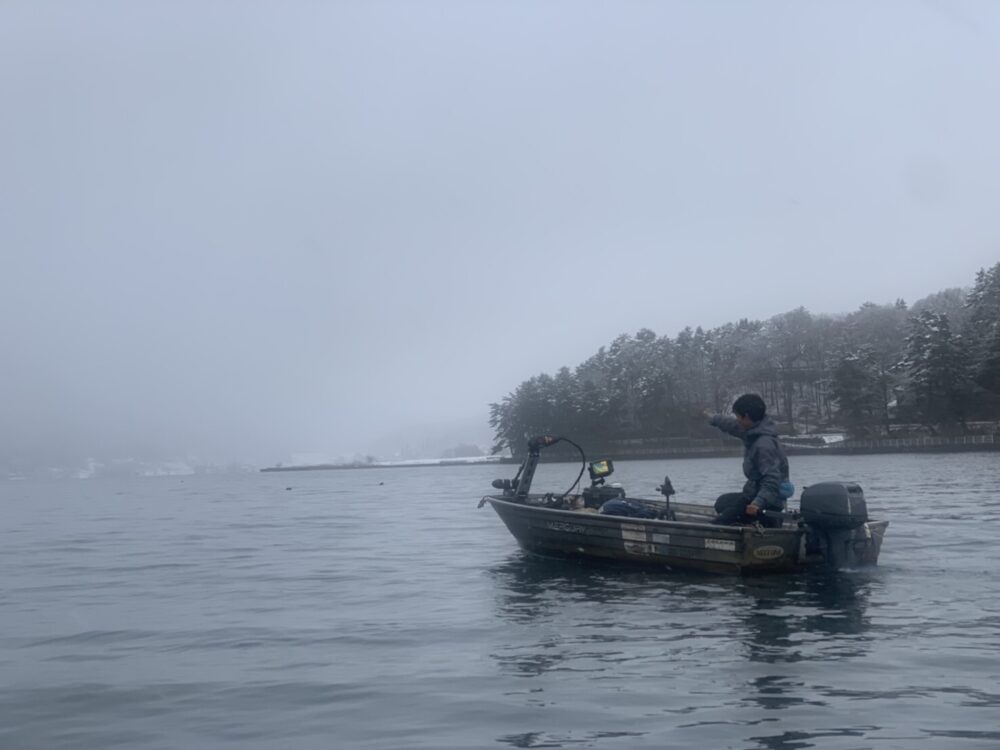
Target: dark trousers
(731,508)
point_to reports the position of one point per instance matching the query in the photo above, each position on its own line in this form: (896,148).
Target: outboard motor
(835,513)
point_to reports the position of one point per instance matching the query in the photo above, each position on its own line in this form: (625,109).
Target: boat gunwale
(881,525)
(659,522)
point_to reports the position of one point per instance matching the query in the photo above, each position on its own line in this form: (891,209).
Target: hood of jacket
(763,427)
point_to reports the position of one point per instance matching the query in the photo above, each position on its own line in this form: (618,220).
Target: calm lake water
(382,609)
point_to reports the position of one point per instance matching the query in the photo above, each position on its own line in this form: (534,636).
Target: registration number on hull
(727,545)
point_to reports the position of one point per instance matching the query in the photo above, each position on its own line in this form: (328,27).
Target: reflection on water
(528,585)
(789,618)
(777,618)
(672,631)
(550,739)
(795,740)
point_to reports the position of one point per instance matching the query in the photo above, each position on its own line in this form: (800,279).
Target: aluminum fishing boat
(830,528)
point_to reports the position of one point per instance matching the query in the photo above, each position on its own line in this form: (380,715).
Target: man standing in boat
(764,464)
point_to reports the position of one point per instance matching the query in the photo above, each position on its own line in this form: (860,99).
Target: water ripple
(231,612)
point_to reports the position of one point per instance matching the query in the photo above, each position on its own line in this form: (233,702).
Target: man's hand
(752,510)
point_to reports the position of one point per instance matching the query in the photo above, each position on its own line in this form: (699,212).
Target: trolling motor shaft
(667,489)
(521,483)
(526,473)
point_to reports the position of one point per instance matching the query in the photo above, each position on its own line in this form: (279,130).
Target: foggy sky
(244,230)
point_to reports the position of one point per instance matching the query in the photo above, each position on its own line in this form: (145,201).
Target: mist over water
(381,609)
(245,232)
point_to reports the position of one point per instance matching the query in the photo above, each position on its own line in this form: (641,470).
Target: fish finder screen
(600,468)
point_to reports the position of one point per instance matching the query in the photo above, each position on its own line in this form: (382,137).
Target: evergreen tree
(937,367)
(856,389)
(987,368)
(982,328)
(878,332)
(788,340)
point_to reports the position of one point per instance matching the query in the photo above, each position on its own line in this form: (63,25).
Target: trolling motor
(519,486)
(595,496)
(521,483)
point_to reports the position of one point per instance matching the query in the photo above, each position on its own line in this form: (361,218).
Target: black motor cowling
(836,513)
(834,505)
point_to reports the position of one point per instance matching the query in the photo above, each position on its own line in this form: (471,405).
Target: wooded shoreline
(965,444)
(876,374)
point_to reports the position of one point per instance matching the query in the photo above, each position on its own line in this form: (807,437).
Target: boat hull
(687,544)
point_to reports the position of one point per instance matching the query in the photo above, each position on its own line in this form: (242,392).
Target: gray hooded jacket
(764,462)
